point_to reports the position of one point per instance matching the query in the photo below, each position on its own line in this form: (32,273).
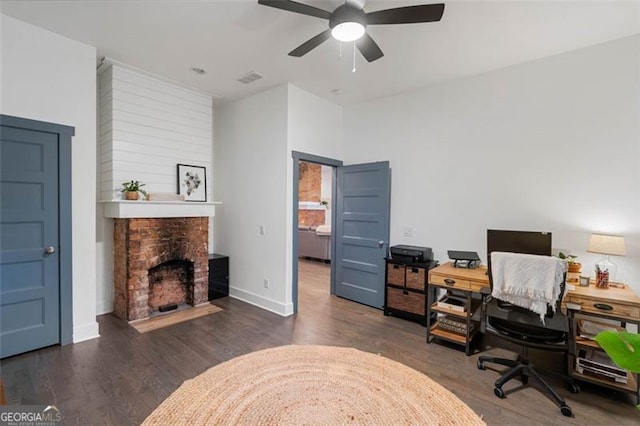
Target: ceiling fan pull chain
(354,57)
(340,50)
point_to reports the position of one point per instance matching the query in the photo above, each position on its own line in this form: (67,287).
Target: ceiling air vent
(250,77)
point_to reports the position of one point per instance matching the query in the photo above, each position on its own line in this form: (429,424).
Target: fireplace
(159,262)
(170,283)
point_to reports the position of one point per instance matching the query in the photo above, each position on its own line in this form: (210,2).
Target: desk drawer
(449,282)
(606,308)
(395,274)
(407,301)
(416,278)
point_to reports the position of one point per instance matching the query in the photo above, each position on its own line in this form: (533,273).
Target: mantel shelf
(126,209)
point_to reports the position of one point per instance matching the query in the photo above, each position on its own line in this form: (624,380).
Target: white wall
(51,78)
(548,145)
(253,175)
(314,127)
(250,160)
(325,191)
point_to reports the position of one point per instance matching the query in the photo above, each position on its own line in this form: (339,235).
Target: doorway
(360,229)
(314,230)
(308,241)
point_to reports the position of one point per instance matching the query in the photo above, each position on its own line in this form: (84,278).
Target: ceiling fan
(348,22)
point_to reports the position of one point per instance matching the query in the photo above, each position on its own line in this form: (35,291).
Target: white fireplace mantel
(124,209)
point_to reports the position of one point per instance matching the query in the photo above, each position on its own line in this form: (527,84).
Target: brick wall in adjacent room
(311,217)
(310,182)
(142,244)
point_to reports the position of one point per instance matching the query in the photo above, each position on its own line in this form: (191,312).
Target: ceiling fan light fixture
(348,31)
(348,22)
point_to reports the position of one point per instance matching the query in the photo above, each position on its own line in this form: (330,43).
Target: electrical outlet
(407,231)
(266,283)
(263,230)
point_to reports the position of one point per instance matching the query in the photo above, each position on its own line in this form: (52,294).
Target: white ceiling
(233,37)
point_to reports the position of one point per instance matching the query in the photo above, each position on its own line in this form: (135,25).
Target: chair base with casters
(522,369)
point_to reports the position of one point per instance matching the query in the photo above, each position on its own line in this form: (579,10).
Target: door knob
(50,250)
(380,243)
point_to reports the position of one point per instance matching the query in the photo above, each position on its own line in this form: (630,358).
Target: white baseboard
(283,309)
(86,332)
(104,308)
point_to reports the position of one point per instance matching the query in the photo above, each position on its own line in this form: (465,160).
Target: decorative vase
(130,195)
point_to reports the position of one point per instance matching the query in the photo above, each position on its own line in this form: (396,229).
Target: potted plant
(623,348)
(572,265)
(132,188)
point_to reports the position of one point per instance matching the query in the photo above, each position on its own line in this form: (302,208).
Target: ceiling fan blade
(407,15)
(369,48)
(311,44)
(293,6)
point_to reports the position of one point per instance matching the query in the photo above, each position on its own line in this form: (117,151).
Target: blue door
(29,259)
(362,232)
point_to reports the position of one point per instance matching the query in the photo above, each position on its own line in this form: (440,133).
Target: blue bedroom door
(29,260)
(362,232)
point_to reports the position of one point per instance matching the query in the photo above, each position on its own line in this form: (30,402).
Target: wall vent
(249,77)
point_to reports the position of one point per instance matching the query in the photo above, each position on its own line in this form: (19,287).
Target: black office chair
(523,327)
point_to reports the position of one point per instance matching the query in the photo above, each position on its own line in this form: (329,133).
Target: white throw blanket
(527,280)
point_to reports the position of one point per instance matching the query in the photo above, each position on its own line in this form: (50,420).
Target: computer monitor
(528,242)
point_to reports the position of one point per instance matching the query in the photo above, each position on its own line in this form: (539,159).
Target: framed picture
(192,182)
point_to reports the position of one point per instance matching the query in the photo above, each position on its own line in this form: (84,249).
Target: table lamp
(607,245)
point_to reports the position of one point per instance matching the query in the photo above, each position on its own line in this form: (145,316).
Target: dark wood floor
(122,376)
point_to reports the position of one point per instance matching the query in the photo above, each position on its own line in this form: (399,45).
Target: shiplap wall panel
(106,145)
(159,124)
(163,94)
(106,94)
(156,153)
(143,131)
(132,133)
(154,87)
(165,112)
(105,134)
(147,127)
(134,101)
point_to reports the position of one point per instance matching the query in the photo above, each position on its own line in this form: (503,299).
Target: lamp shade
(607,244)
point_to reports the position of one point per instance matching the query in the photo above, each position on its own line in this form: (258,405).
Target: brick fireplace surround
(141,245)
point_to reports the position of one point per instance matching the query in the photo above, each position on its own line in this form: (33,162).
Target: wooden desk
(620,305)
(467,284)
(611,302)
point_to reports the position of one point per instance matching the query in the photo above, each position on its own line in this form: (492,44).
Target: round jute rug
(312,385)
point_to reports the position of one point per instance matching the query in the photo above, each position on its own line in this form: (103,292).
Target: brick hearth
(143,244)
